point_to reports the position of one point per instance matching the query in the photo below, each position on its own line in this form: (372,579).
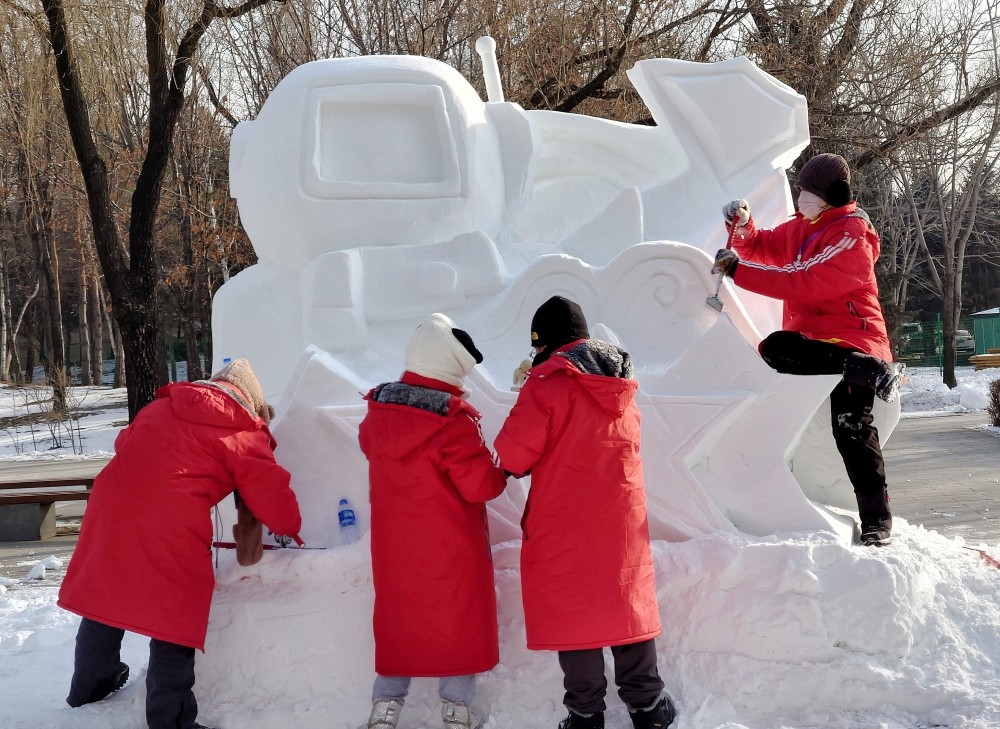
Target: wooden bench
(28,507)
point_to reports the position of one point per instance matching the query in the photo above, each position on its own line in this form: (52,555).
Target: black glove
(725,262)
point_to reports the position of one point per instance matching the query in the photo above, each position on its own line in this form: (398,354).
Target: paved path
(943,473)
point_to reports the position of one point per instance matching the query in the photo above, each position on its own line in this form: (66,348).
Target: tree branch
(970,102)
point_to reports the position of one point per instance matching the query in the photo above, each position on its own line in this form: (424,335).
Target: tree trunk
(97,315)
(5,322)
(30,346)
(86,371)
(55,346)
(119,351)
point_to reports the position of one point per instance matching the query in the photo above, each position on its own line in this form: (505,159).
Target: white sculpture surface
(378,190)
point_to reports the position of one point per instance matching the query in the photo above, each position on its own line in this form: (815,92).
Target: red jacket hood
(201,403)
(411,426)
(613,394)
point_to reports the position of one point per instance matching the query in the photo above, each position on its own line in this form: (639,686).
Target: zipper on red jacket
(854,312)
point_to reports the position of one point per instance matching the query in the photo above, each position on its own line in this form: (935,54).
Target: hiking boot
(578,721)
(459,716)
(875,537)
(868,371)
(385,714)
(103,688)
(661,715)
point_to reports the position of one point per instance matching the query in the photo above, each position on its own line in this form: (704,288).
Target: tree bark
(86,372)
(97,315)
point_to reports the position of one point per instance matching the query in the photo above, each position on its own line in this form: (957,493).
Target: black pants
(638,681)
(170,702)
(851,414)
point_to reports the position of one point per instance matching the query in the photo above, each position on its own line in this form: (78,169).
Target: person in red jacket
(587,579)
(143,562)
(821,263)
(430,476)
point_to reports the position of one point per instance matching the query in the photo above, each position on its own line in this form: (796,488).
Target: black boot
(660,716)
(575,721)
(868,371)
(877,536)
(103,688)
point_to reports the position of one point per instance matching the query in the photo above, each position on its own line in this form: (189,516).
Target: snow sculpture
(377,190)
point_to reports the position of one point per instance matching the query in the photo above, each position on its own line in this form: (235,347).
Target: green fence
(920,344)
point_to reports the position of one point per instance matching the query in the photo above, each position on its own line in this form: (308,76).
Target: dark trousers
(170,701)
(851,415)
(638,681)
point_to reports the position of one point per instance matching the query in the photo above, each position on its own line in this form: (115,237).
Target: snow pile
(794,630)
(924,393)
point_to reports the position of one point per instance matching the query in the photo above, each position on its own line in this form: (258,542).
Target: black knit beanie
(557,322)
(829,177)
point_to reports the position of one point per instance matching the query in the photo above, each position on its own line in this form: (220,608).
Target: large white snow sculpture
(377,190)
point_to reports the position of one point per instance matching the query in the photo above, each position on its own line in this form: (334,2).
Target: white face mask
(811,205)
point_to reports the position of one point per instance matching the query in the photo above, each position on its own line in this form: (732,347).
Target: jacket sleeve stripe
(846,243)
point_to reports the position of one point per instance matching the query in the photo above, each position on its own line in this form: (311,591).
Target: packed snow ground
(789,631)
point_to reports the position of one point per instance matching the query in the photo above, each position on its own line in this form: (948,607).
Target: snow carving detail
(377,190)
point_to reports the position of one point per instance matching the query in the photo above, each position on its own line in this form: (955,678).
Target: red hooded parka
(430,475)
(144,560)
(824,271)
(587,575)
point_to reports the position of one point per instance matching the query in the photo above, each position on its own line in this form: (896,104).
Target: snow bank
(794,630)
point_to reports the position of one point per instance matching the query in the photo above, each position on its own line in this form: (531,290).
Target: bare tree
(132,276)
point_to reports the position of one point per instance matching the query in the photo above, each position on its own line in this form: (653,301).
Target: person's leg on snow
(97,667)
(640,686)
(792,353)
(170,701)
(585,684)
(457,693)
(884,378)
(388,695)
(857,441)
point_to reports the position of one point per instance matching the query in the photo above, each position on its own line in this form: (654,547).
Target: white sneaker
(385,714)
(459,716)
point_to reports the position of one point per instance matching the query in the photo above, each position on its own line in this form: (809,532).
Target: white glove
(521,374)
(736,207)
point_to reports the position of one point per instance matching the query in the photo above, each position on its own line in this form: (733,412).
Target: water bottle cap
(227,360)
(343,502)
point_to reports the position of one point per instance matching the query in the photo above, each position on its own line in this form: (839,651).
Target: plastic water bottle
(348,523)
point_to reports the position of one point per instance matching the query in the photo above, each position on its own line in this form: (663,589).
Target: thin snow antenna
(486,47)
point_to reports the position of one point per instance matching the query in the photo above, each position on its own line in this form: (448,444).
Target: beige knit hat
(239,373)
(440,351)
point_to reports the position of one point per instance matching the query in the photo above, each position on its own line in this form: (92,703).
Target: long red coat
(587,577)
(144,560)
(825,273)
(431,474)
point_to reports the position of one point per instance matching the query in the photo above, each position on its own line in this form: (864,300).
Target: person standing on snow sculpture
(143,562)
(822,265)
(587,577)
(431,475)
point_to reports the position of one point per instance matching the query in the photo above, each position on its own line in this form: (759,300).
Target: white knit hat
(239,373)
(440,351)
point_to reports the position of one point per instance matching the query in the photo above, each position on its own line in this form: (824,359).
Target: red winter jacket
(587,578)
(144,559)
(825,273)
(431,475)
